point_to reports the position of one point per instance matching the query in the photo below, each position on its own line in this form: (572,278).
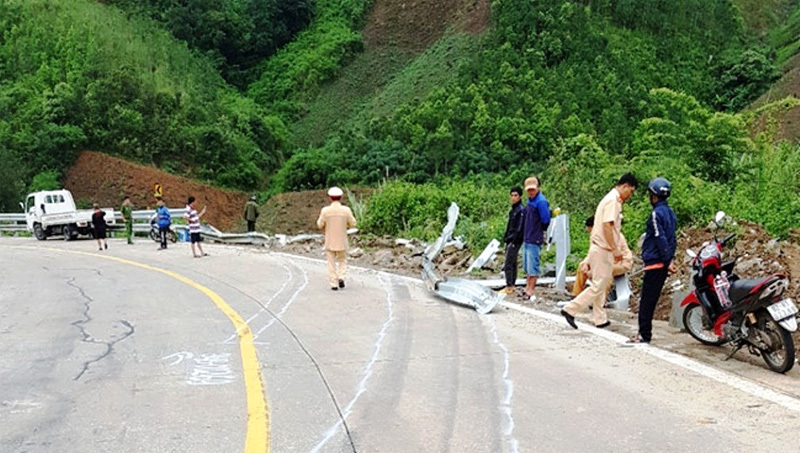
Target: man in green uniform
(127,217)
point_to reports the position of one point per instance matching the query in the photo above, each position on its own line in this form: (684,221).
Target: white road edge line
(724,377)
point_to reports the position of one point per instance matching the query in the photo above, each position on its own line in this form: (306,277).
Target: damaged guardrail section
(458,290)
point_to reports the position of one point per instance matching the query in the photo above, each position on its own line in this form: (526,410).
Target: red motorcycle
(725,309)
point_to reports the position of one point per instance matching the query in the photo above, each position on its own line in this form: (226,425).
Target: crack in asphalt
(87,338)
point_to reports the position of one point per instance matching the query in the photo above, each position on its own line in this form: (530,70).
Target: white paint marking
(367,372)
(505,406)
(207,369)
(285,306)
(211,369)
(723,377)
(286,282)
(178,357)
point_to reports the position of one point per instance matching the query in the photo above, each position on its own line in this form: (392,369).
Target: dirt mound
(416,24)
(757,253)
(779,121)
(297,212)
(103,179)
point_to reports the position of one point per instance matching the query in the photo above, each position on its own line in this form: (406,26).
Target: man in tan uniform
(604,250)
(621,267)
(335,219)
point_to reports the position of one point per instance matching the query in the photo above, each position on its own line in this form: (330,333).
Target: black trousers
(162,234)
(251,225)
(510,266)
(652,285)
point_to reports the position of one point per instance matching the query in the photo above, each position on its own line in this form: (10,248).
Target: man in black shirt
(513,239)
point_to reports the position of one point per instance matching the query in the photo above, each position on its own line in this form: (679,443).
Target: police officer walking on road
(335,219)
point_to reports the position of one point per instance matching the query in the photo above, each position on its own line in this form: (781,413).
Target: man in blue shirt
(658,250)
(536,219)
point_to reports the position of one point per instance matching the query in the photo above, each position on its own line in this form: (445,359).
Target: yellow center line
(257,440)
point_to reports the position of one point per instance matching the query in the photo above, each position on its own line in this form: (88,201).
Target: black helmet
(660,187)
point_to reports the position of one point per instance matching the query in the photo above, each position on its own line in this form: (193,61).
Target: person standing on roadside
(193,219)
(335,219)
(604,250)
(127,217)
(251,214)
(163,220)
(99,227)
(513,240)
(536,219)
(658,250)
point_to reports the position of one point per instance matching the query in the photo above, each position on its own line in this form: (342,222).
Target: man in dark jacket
(251,214)
(658,250)
(513,239)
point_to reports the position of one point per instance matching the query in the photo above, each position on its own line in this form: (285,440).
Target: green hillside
(279,95)
(78,74)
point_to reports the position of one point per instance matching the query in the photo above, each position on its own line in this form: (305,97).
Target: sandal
(637,339)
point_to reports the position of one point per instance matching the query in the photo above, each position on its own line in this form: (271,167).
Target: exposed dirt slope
(297,212)
(103,179)
(416,24)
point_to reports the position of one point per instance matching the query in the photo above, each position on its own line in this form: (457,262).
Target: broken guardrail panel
(460,291)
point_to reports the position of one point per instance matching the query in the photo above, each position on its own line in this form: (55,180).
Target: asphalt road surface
(137,350)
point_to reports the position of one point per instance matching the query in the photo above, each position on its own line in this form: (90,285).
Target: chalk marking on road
(266,304)
(368,369)
(730,379)
(505,406)
(211,369)
(286,305)
(208,369)
(692,365)
(257,438)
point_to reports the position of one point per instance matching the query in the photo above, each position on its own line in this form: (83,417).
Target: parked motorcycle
(723,308)
(171,235)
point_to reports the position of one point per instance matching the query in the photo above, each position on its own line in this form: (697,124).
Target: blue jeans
(530,259)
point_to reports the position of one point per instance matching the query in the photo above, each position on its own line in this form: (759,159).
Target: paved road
(101,355)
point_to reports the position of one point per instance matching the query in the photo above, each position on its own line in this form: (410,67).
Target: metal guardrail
(460,291)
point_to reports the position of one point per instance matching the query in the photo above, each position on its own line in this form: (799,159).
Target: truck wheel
(66,230)
(39,232)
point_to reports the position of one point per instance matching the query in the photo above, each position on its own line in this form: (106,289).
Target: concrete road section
(102,355)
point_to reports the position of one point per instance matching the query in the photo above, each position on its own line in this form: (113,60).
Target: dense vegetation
(576,91)
(77,74)
(235,35)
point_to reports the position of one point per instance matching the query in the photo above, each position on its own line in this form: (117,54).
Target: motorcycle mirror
(22,206)
(719,218)
(691,253)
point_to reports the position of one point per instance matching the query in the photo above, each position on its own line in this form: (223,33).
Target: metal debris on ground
(460,291)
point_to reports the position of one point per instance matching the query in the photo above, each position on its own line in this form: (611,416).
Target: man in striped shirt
(193,218)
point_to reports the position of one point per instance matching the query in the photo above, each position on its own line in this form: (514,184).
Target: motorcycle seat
(741,288)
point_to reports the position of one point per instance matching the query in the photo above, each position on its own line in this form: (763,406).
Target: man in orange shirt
(335,219)
(604,249)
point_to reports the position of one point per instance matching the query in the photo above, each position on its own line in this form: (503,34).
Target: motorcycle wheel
(780,355)
(699,326)
(154,235)
(173,237)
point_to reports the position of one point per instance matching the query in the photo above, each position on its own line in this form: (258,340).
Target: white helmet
(335,192)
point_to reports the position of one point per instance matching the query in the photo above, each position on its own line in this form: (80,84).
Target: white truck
(53,213)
